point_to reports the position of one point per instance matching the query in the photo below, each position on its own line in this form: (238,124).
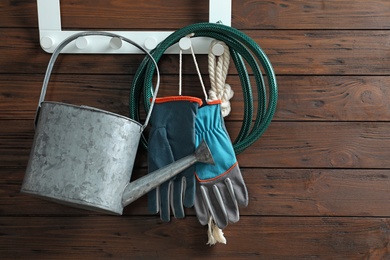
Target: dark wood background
(318,179)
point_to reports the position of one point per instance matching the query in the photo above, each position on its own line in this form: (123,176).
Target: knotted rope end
(214,233)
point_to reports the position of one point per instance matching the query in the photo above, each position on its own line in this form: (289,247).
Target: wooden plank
(18,14)
(333,98)
(317,192)
(308,98)
(291,52)
(283,192)
(167,15)
(304,14)
(146,238)
(277,14)
(19,94)
(325,52)
(284,144)
(320,145)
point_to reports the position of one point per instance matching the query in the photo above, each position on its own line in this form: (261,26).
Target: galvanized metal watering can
(84,157)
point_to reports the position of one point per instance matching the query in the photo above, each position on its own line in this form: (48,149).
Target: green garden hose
(242,47)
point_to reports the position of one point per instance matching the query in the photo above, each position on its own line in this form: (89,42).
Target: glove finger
(202,213)
(177,197)
(207,201)
(219,211)
(190,189)
(164,201)
(234,194)
(240,190)
(213,203)
(231,202)
(154,201)
(159,155)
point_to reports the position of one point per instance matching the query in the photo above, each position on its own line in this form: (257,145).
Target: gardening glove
(220,188)
(172,137)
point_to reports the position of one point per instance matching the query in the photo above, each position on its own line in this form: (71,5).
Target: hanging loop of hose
(242,49)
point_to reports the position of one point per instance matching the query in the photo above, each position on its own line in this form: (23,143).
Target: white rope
(218,69)
(196,66)
(214,233)
(180,70)
(199,75)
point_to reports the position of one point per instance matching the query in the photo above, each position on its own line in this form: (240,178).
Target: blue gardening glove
(172,137)
(220,188)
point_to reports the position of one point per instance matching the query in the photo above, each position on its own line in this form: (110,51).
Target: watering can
(84,156)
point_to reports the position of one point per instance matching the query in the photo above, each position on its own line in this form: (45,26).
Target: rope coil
(218,70)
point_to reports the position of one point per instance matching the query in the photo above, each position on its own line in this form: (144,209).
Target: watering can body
(82,156)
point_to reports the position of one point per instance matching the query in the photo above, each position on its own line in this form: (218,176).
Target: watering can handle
(74,37)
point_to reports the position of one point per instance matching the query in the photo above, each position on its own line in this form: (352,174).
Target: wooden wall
(318,179)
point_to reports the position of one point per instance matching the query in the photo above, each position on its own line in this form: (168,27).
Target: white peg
(116,43)
(81,43)
(47,42)
(185,43)
(150,43)
(218,49)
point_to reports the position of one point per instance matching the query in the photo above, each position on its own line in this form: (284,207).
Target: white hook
(81,43)
(185,43)
(218,49)
(116,43)
(47,42)
(150,43)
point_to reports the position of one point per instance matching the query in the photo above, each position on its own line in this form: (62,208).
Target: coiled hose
(241,47)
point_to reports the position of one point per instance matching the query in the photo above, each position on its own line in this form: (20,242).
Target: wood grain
(272,192)
(146,238)
(310,98)
(323,145)
(301,14)
(298,145)
(333,98)
(254,14)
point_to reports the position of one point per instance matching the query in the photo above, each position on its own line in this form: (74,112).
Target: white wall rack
(51,33)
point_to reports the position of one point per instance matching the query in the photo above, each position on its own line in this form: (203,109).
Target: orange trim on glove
(178,98)
(214,102)
(219,176)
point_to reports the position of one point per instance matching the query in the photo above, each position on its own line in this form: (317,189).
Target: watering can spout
(203,154)
(143,185)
